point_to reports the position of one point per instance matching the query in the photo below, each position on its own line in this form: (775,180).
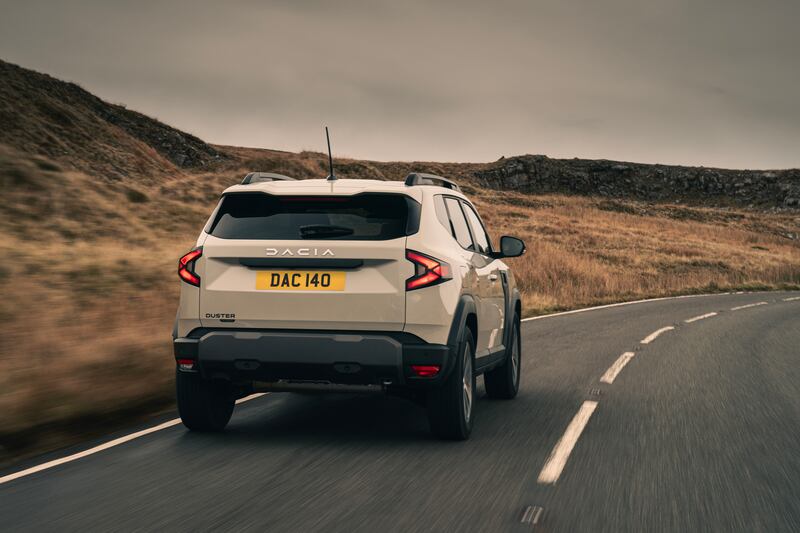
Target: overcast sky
(705,82)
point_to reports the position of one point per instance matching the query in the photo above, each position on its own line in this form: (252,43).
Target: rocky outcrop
(764,189)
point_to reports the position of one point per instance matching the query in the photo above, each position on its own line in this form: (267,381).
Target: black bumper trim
(338,357)
(185,348)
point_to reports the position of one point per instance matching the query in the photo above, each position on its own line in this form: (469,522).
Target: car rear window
(364,217)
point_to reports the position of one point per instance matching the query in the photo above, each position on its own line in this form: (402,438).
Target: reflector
(425,371)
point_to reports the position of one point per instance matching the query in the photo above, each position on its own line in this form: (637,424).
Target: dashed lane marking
(650,338)
(104,446)
(791,299)
(616,368)
(558,457)
(701,317)
(748,306)
(531,515)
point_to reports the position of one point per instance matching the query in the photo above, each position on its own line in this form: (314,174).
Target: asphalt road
(699,431)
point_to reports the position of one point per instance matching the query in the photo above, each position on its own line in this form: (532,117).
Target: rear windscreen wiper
(322,231)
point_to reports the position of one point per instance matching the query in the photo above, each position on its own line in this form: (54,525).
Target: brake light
(428,271)
(186,364)
(425,371)
(186,267)
(313,199)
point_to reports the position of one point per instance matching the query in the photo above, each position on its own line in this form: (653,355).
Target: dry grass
(85,336)
(89,288)
(582,254)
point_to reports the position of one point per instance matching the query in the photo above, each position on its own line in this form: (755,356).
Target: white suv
(351,286)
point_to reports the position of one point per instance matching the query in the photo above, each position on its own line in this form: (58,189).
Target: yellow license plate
(299,280)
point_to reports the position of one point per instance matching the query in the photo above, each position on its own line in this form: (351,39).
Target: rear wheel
(502,382)
(204,405)
(451,406)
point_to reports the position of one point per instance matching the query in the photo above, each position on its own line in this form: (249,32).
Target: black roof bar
(258,177)
(420,178)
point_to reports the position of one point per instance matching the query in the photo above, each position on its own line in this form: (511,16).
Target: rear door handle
(492,277)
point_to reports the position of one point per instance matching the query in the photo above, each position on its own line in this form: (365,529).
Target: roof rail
(259,177)
(420,178)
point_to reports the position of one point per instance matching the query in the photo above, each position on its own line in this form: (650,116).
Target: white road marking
(616,368)
(620,304)
(650,338)
(748,306)
(791,299)
(104,446)
(493,336)
(558,457)
(531,515)
(251,397)
(701,317)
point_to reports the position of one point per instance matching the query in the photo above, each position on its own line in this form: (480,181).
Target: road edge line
(646,300)
(102,447)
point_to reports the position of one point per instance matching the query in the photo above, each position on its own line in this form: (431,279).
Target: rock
(689,185)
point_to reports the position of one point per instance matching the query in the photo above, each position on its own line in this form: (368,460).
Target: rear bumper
(351,358)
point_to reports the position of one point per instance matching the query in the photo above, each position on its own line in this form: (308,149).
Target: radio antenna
(331,176)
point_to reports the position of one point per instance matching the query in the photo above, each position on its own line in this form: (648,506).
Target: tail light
(186,267)
(428,271)
(426,371)
(186,364)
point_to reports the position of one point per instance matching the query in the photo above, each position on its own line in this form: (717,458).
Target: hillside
(100,201)
(41,115)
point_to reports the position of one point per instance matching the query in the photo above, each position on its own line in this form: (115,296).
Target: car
(346,285)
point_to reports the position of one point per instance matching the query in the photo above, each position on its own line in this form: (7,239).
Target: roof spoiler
(259,177)
(420,178)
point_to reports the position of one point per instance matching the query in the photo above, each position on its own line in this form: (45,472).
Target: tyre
(203,405)
(451,406)
(502,382)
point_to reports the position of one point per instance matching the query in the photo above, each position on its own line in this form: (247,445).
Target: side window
(481,239)
(441,213)
(459,223)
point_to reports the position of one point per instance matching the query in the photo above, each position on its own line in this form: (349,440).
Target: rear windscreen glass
(365,217)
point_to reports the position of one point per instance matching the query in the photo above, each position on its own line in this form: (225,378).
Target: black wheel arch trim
(511,314)
(464,307)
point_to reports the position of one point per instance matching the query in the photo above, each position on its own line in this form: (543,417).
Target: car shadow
(314,417)
(291,418)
